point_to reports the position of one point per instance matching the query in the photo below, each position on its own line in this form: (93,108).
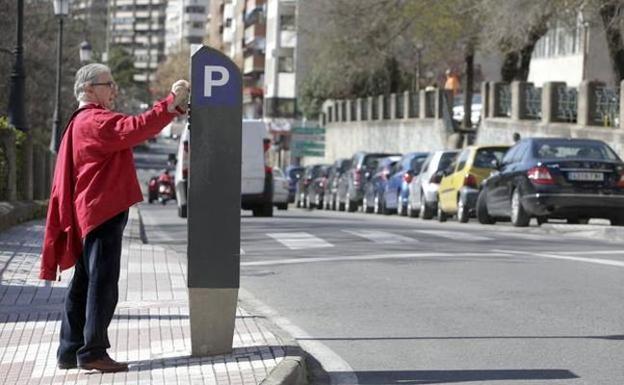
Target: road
(389,300)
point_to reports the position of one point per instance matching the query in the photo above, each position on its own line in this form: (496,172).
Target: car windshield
(417,163)
(446,160)
(371,161)
(573,150)
(485,157)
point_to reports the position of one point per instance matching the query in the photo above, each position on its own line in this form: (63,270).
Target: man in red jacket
(94,184)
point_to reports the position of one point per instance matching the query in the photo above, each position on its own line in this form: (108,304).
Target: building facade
(185,23)
(138,26)
(572,52)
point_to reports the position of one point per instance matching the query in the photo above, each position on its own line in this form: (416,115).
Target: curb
(14,213)
(292,369)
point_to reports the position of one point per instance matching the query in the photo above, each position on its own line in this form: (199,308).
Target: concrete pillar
(422,104)
(518,99)
(406,104)
(587,102)
(369,108)
(358,109)
(485,100)
(347,116)
(381,107)
(622,104)
(393,106)
(550,99)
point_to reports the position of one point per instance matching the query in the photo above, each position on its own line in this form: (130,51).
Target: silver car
(423,190)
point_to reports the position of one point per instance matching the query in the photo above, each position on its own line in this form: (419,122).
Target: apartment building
(185,23)
(280,64)
(139,27)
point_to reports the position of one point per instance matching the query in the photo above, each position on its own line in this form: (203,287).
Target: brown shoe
(105,365)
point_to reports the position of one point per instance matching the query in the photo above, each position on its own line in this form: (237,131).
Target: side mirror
(367,174)
(495,164)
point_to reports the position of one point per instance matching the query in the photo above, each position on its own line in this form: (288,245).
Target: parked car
(316,189)
(309,174)
(572,179)
(459,187)
(375,186)
(397,188)
(351,188)
(280,189)
(256,177)
(423,190)
(338,171)
(293,174)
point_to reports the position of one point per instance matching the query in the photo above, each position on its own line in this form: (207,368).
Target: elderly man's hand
(181,90)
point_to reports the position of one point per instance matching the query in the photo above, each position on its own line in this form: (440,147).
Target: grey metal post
(485,100)
(214,213)
(348,116)
(422,104)
(358,109)
(369,108)
(393,106)
(381,107)
(406,105)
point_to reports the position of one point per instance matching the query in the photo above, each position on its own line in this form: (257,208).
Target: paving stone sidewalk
(150,329)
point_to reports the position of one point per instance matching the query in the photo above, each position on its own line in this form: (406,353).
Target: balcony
(252,64)
(253,33)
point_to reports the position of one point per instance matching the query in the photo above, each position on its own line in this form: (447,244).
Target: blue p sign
(212,71)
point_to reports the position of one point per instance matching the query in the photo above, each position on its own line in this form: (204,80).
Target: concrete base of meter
(212,318)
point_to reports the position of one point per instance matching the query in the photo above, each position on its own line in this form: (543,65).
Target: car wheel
(519,216)
(410,210)
(265,210)
(482,212)
(341,206)
(400,209)
(318,202)
(350,205)
(462,212)
(182,211)
(308,203)
(425,210)
(442,217)
(617,221)
(542,220)
(282,206)
(365,207)
(577,221)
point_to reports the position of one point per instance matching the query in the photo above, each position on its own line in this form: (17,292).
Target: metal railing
(414,105)
(504,101)
(386,107)
(364,108)
(567,104)
(400,104)
(353,105)
(607,112)
(343,111)
(430,104)
(533,102)
(375,109)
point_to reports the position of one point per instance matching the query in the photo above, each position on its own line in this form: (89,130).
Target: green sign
(308,141)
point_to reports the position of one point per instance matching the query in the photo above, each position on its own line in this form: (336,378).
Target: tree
(175,67)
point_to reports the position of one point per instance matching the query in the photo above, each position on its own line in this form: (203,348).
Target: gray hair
(85,75)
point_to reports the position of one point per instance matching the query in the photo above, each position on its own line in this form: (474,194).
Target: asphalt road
(388,300)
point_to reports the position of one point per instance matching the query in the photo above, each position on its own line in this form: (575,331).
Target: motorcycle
(165,192)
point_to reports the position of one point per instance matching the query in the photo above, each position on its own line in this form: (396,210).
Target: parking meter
(214,190)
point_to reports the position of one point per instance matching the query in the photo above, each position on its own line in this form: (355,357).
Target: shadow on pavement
(614,337)
(450,376)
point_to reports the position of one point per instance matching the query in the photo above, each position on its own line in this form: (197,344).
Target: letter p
(210,82)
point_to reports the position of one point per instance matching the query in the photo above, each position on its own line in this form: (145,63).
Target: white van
(256,176)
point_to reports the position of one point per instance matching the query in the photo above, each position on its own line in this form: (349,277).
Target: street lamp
(17,116)
(85,52)
(61,9)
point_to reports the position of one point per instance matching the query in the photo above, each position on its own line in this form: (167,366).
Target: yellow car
(459,187)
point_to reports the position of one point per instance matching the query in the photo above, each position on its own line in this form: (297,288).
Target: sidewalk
(150,329)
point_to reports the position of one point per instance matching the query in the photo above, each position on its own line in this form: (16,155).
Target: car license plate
(586,176)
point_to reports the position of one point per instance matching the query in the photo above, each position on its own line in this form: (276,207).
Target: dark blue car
(375,186)
(397,188)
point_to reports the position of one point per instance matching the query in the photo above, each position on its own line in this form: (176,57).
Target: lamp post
(85,52)
(16,101)
(61,9)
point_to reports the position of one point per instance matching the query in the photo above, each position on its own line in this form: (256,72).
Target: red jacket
(95,178)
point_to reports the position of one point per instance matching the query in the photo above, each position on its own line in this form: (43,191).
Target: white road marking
(340,372)
(371,257)
(381,236)
(298,241)
(454,235)
(617,252)
(599,261)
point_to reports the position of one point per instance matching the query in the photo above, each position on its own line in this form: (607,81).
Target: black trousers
(92,294)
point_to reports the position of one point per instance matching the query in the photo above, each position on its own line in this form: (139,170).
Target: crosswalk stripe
(301,240)
(381,236)
(455,235)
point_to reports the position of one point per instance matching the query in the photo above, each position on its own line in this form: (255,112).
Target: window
(462,159)
(287,22)
(486,157)
(286,64)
